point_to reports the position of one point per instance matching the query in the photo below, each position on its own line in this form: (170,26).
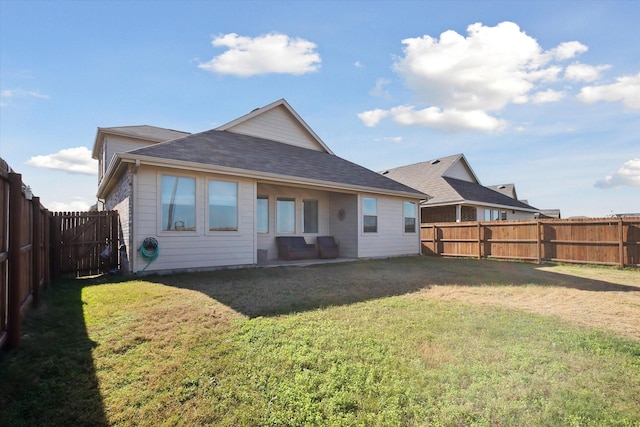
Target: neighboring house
(510,190)
(216,198)
(457,194)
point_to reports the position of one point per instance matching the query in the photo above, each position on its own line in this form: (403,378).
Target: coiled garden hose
(149,250)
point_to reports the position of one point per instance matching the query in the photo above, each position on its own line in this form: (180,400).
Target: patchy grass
(407,341)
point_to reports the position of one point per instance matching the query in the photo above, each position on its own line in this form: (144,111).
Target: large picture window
(285,216)
(310,212)
(223,206)
(178,203)
(262,214)
(409,217)
(370,215)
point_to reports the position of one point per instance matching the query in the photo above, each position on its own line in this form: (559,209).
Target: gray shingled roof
(247,153)
(147,132)
(429,178)
(476,192)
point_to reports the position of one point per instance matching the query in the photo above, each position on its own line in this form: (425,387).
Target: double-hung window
(285,216)
(310,216)
(178,203)
(369,215)
(409,217)
(262,213)
(223,206)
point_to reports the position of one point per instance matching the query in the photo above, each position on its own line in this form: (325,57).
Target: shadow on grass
(283,290)
(50,379)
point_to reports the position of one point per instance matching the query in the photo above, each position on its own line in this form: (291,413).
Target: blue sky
(545,95)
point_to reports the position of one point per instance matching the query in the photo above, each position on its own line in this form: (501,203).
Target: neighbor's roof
(431,177)
(146,132)
(258,157)
(506,189)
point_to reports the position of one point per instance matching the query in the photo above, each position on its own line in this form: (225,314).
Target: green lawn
(365,343)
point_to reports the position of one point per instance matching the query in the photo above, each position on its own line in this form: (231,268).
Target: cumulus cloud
(626,89)
(627,175)
(460,81)
(265,54)
(584,73)
(486,70)
(372,117)
(72,160)
(78,204)
(448,120)
(548,95)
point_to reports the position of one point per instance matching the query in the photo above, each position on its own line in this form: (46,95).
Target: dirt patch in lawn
(603,298)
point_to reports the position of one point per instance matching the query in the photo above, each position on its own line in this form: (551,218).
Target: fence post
(55,245)
(46,253)
(435,239)
(621,241)
(15,258)
(479,240)
(539,240)
(36,240)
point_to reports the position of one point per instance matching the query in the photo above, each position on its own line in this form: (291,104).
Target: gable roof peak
(282,103)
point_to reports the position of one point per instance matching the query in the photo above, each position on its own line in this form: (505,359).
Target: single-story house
(457,194)
(221,197)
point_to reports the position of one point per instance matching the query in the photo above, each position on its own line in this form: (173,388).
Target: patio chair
(327,247)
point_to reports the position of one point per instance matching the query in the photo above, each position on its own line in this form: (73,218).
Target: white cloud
(628,175)
(72,160)
(358,64)
(372,117)
(548,95)
(269,53)
(78,204)
(7,95)
(379,89)
(460,80)
(568,50)
(486,70)
(626,89)
(448,119)
(584,73)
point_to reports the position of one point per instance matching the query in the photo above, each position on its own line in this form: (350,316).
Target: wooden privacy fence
(607,241)
(24,253)
(37,246)
(84,243)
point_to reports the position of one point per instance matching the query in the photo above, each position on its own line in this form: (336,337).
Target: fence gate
(84,243)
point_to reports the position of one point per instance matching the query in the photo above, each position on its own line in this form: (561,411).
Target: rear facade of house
(221,197)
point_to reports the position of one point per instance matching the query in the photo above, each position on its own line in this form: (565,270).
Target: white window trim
(295,222)
(269,228)
(207,207)
(362,231)
(415,217)
(159,220)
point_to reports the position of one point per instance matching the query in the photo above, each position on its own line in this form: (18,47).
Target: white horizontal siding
(459,171)
(390,240)
(199,249)
(119,144)
(278,125)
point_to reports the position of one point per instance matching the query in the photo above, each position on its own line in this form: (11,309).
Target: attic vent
(435,162)
(385,172)
(501,187)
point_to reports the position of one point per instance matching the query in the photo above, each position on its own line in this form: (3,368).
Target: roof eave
(276,178)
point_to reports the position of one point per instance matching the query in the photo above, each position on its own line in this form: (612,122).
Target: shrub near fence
(607,241)
(24,252)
